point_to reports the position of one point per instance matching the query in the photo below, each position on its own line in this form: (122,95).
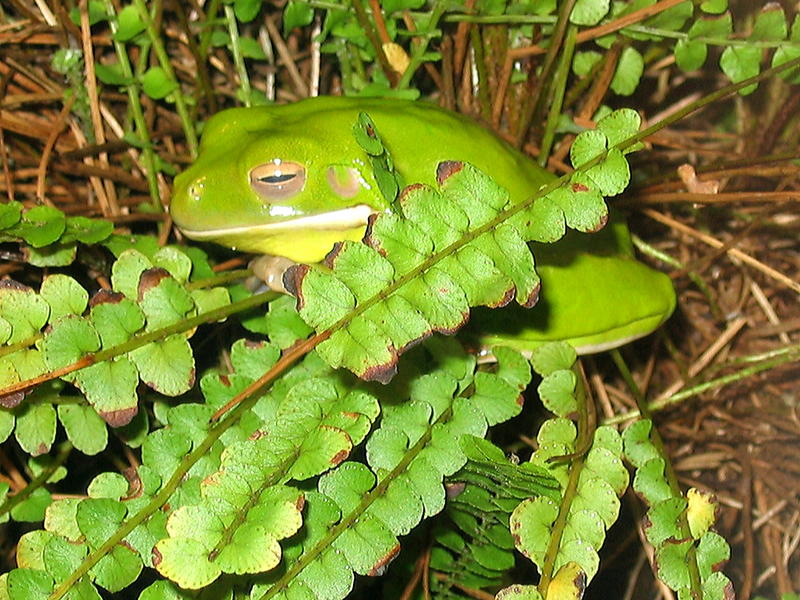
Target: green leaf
(110,387)
(605,464)
(30,549)
(115,318)
(7,422)
(651,483)
(96,13)
(250,48)
(108,485)
(367,136)
(61,558)
(671,564)
(166,366)
(32,509)
(740,63)
(40,226)
(64,295)
(596,494)
(69,339)
(29,584)
(498,400)
(663,521)
(56,255)
(714,6)
(720,27)
(60,518)
(129,24)
(297,14)
(36,428)
(246,10)
(163,299)
(612,176)
(690,55)
(111,74)
(174,261)
(553,357)
(241,546)
(127,270)
(557,393)
(206,300)
(117,569)
(770,24)
(583,62)
(157,84)
(719,587)
(587,146)
(790,51)
(530,526)
(436,300)
(619,126)
(84,428)
(186,562)
(589,12)
(712,553)
(629,72)
(673,18)
(10,214)
(23,309)
(638,447)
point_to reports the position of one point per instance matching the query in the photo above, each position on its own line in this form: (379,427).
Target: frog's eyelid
(277,180)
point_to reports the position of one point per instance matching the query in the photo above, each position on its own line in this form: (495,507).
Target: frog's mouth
(337,220)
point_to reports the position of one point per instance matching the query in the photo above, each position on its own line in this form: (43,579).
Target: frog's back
(419,135)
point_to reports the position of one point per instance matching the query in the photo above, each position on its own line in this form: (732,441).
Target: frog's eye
(277,180)
(344,181)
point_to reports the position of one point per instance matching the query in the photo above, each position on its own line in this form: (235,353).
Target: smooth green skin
(595,295)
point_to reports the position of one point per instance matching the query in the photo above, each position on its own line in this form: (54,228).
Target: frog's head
(276,181)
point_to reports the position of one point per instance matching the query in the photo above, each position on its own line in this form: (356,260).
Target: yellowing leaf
(701,511)
(397,57)
(568,584)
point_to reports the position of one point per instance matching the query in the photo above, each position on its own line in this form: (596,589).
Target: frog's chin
(302,239)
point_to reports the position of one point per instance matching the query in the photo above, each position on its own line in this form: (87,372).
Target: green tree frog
(291,180)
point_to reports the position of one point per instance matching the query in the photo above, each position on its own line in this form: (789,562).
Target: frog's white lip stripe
(336,220)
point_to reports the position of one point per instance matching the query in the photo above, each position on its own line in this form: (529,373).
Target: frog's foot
(268,271)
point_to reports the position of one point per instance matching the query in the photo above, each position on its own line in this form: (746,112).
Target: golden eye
(344,181)
(277,180)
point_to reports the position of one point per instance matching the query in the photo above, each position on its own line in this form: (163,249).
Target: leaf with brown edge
(386,295)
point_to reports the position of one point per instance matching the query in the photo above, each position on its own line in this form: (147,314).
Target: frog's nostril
(277,180)
(195,191)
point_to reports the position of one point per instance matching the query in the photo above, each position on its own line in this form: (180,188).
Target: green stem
(138,341)
(351,519)
(536,104)
(584,439)
(366,26)
(695,585)
(159,499)
(418,53)
(38,481)
(164,63)
(151,165)
(238,60)
(777,358)
(559,87)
